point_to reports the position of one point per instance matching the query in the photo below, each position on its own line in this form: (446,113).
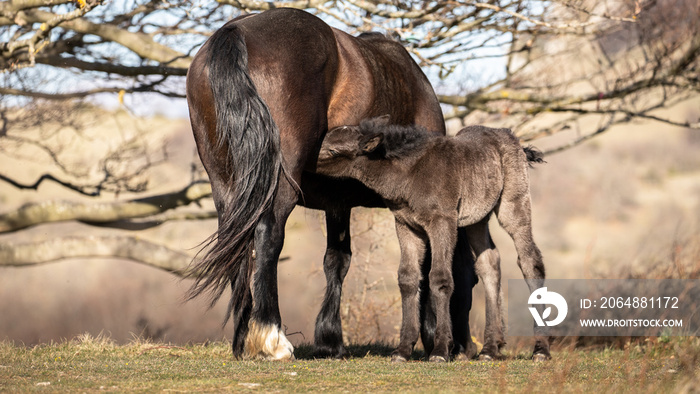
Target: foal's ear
(371,144)
(338,128)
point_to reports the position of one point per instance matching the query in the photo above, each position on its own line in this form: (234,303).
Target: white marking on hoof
(395,358)
(267,342)
(538,358)
(437,359)
(485,357)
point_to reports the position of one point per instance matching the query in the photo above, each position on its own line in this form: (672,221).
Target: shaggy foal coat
(433,185)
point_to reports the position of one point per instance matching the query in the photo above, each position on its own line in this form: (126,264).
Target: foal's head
(372,139)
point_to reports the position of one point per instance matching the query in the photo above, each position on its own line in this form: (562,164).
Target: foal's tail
(533,155)
(247,134)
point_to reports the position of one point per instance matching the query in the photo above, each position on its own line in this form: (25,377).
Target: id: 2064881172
(631,302)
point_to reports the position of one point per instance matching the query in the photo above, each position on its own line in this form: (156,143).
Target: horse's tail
(246,132)
(533,155)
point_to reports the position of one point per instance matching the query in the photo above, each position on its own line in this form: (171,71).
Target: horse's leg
(461,302)
(442,234)
(488,267)
(514,215)
(412,252)
(265,336)
(328,337)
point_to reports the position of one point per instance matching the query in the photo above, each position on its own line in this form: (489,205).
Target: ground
(98,364)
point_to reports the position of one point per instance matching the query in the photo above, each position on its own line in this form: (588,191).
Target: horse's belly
(475,205)
(473,215)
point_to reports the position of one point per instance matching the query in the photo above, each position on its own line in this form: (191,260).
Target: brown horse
(262,93)
(433,186)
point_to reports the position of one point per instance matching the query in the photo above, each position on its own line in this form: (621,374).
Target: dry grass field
(89,364)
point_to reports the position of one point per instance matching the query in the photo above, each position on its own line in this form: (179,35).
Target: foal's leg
(460,303)
(328,337)
(488,267)
(442,234)
(412,250)
(514,215)
(265,336)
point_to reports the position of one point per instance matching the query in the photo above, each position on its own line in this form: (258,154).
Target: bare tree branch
(48,23)
(57,211)
(136,224)
(260,5)
(84,190)
(132,248)
(56,96)
(129,71)
(141,44)
(584,138)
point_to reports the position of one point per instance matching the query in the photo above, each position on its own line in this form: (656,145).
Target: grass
(98,364)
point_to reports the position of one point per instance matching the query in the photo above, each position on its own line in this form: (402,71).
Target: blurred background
(93,124)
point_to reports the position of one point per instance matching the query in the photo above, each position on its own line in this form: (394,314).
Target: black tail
(533,155)
(246,131)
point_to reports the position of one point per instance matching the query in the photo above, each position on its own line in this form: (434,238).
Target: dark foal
(435,185)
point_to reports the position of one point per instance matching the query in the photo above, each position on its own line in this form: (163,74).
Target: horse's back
(405,91)
(479,137)
(493,148)
(286,40)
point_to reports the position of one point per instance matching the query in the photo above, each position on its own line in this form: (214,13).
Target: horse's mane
(399,141)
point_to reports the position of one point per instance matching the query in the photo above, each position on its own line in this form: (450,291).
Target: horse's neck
(378,175)
(389,177)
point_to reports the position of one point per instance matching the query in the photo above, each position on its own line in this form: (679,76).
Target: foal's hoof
(397,358)
(473,348)
(540,357)
(461,357)
(437,359)
(485,357)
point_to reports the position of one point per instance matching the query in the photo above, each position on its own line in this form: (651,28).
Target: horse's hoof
(337,353)
(397,358)
(267,342)
(485,357)
(437,359)
(539,357)
(341,354)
